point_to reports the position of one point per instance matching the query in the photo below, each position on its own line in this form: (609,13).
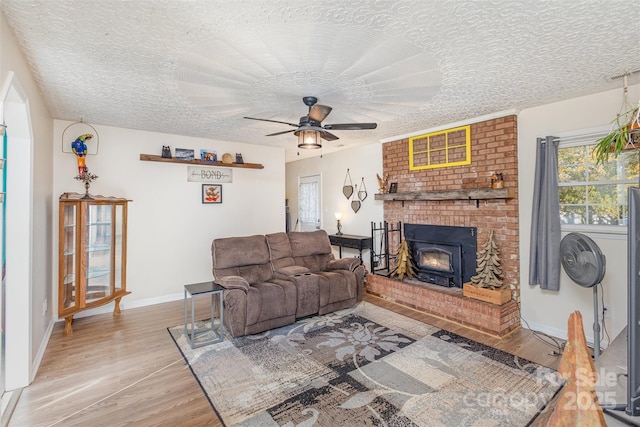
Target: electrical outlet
(606,312)
(44,307)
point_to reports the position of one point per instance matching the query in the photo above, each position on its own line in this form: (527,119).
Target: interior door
(309,203)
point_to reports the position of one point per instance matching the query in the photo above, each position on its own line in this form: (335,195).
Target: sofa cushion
(309,243)
(247,257)
(239,251)
(335,286)
(293,270)
(311,249)
(280,250)
(271,300)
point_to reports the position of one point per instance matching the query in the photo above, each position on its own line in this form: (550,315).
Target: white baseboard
(43,347)
(562,333)
(129,305)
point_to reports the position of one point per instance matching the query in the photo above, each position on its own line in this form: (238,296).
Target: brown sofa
(270,281)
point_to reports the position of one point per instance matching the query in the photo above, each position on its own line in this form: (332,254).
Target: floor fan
(585,264)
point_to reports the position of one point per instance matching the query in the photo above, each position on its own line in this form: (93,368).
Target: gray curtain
(544,258)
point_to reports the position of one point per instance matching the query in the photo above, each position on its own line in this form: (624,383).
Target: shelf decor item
(87,177)
(184,154)
(92,254)
(382,184)
(71,133)
(208,156)
(166,152)
(625,134)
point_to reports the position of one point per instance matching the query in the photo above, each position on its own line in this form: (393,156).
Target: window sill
(603,231)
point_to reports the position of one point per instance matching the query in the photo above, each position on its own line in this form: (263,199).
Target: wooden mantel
(153,158)
(474,194)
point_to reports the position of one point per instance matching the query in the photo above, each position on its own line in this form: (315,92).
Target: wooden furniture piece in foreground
(578,403)
(350,241)
(92,254)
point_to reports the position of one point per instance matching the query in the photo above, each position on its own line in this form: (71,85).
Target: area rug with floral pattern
(366,366)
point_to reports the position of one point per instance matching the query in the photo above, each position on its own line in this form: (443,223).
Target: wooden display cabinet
(92,254)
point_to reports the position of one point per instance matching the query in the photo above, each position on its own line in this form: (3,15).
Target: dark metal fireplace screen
(443,255)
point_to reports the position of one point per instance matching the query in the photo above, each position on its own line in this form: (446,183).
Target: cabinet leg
(68,331)
(116,308)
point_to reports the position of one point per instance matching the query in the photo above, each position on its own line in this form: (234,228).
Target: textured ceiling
(197,67)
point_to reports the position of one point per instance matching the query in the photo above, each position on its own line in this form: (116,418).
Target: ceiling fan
(310,129)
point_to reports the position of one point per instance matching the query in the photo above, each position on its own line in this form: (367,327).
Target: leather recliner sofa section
(270,281)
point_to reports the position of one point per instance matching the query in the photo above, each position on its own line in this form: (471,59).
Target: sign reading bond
(203,174)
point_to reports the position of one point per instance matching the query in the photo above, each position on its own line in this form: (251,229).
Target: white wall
(547,310)
(15,73)
(169,229)
(364,161)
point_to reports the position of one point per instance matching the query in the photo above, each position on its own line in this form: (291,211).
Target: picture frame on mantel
(211,194)
(393,188)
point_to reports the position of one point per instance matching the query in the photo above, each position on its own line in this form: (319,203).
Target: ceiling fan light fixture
(309,139)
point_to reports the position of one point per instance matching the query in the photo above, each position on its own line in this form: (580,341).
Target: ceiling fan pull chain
(347,189)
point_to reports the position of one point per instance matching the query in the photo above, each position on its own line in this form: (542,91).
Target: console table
(351,241)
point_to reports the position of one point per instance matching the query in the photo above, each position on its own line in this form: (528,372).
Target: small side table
(190,331)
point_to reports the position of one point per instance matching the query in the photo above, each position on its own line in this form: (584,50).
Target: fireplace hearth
(443,255)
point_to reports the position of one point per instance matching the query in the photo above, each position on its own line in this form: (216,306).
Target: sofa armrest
(349,264)
(233,282)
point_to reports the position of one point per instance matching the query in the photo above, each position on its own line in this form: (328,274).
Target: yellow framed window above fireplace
(445,148)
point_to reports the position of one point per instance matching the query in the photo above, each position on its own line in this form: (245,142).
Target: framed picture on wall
(211,193)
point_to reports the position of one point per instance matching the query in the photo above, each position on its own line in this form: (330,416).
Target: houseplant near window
(624,136)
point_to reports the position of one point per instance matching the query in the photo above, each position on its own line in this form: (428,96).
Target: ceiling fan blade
(281,133)
(273,121)
(351,126)
(328,136)
(319,112)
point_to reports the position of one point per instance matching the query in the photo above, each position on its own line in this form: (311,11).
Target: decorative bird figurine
(79,148)
(382,183)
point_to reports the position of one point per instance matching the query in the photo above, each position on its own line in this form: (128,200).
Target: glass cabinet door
(92,254)
(68,262)
(118,247)
(98,252)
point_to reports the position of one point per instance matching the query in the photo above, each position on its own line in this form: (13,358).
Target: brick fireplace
(493,150)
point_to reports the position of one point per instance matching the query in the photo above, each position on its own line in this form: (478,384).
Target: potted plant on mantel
(624,136)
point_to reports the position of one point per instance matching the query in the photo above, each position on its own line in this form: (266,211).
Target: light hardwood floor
(127,370)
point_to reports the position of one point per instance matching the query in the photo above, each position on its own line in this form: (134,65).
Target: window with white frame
(594,194)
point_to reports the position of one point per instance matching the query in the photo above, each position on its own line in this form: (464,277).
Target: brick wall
(448,303)
(493,149)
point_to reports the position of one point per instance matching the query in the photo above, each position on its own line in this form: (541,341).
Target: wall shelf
(154,158)
(475,194)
